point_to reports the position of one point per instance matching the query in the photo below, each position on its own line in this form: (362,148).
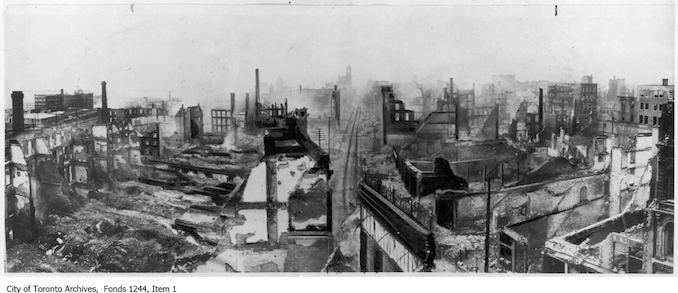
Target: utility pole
(487,222)
(329,123)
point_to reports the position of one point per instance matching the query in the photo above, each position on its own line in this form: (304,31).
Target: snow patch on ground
(199,217)
(18,155)
(168,194)
(99,131)
(320,221)
(167,223)
(289,175)
(231,257)
(283,221)
(197,199)
(443,265)
(41,146)
(150,189)
(307,182)
(446,237)
(255,223)
(243,260)
(255,188)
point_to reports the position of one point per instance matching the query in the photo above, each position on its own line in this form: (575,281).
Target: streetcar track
(353,137)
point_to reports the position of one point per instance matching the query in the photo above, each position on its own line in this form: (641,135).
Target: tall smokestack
(104,103)
(541,110)
(256,90)
(232,104)
(456,119)
(456,110)
(17,113)
(446,97)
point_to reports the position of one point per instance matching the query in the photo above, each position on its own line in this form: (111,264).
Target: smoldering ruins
(522,174)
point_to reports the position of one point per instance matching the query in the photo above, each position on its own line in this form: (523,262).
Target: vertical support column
(338,109)
(104,104)
(541,110)
(256,93)
(271,199)
(449,110)
(385,115)
(232,123)
(487,221)
(158,140)
(457,112)
(232,104)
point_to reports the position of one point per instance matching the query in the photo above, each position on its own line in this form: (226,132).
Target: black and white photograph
(340,138)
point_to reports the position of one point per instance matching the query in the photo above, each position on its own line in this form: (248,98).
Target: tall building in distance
(617,87)
(345,81)
(587,101)
(504,82)
(61,101)
(627,109)
(560,103)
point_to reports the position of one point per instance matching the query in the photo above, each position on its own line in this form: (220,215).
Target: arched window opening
(583,194)
(668,240)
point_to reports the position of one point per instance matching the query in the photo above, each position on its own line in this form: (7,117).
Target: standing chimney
(665,81)
(17,113)
(256,91)
(541,110)
(457,110)
(104,103)
(232,105)
(446,98)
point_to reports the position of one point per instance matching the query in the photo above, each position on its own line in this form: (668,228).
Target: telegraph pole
(487,222)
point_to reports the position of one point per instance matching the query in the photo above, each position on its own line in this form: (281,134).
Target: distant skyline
(203,52)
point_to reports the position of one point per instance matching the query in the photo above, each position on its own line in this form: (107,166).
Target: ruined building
(560,103)
(19,202)
(586,97)
(660,226)
(396,119)
(220,118)
(190,123)
(638,237)
(651,99)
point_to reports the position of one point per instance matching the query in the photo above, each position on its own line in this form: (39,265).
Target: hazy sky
(206,51)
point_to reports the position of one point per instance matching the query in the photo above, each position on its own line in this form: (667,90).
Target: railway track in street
(344,194)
